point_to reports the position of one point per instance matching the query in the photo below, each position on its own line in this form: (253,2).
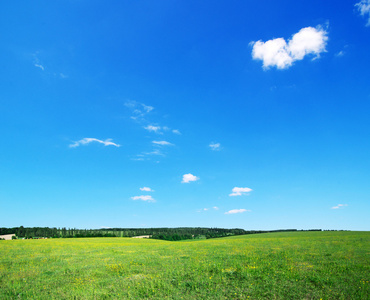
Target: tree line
(170,234)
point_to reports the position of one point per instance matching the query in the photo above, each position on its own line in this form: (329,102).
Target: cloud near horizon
(147,198)
(236,211)
(339,206)
(86,141)
(281,54)
(364,9)
(186,178)
(239,191)
(207,209)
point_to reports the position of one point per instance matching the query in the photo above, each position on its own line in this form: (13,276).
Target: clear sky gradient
(247,114)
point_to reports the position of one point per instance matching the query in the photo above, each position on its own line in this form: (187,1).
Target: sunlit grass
(298,265)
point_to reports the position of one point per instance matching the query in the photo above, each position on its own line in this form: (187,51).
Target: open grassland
(297,265)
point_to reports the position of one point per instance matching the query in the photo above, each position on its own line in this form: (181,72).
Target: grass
(297,265)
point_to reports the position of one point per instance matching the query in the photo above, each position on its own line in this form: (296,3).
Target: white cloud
(146,189)
(162,143)
(105,227)
(147,108)
(154,152)
(206,209)
(143,198)
(339,206)
(39,66)
(86,141)
(236,211)
(239,191)
(175,131)
(364,8)
(138,110)
(153,128)
(281,54)
(186,178)
(138,159)
(215,146)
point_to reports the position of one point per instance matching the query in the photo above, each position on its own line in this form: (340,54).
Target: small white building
(7,236)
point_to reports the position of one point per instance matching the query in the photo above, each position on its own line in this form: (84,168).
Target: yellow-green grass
(296,265)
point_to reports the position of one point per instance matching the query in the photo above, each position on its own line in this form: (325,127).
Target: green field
(297,265)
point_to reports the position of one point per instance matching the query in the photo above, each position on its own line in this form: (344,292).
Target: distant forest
(170,234)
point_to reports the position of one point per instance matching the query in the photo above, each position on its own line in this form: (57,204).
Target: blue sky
(247,114)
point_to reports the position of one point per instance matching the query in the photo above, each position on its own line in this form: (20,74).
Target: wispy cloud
(363,7)
(86,141)
(154,152)
(138,110)
(39,66)
(239,191)
(147,198)
(236,211)
(186,178)
(146,189)
(176,131)
(38,63)
(207,209)
(162,143)
(215,146)
(281,54)
(147,108)
(339,206)
(153,128)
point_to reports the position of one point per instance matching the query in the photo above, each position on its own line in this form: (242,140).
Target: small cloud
(239,191)
(215,146)
(281,54)
(147,198)
(146,189)
(339,206)
(236,211)
(147,108)
(175,131)
(39,66)
(138,159)
(162,143)
(186,178)
(138,110)
(154,152)
(363,8)
(86,141)
(63,76)
(340,53)
(215,208)
(105,227)
(156,129)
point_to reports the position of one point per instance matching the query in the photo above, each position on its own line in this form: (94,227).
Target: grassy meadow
(296,265)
